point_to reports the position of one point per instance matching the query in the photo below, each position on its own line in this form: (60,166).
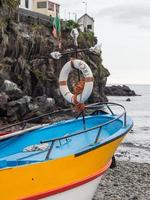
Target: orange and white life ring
(88,76)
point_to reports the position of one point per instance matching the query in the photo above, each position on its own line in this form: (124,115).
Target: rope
(78,89)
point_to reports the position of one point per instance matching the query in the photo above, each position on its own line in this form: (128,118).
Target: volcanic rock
(118,90)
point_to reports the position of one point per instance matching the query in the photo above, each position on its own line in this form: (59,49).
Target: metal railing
(90,109)
(99,127)
(24,122)
(63,111)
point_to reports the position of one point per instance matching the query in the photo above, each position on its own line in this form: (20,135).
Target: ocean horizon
(136,146)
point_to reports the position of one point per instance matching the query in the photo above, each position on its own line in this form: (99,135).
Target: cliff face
(25,61)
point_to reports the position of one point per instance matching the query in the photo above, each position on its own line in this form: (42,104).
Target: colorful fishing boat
(64,160)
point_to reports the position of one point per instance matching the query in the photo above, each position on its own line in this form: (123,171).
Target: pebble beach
(128,181)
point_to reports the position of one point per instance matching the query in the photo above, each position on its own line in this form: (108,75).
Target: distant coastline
(129,84)
(140,89)
(119,90)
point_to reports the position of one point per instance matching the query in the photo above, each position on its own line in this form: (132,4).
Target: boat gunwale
(60,111)
(97,144)
(84,131)
(104,142)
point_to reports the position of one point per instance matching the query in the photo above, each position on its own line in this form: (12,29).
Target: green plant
(39,75)
(87,39)
(37,27)
(69,25)
(11,4)
(7,8)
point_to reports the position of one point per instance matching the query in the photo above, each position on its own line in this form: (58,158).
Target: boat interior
(63,138)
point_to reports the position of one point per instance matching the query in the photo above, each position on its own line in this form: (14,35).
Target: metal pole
(97,137)
(125,120)
(75,17)
(49,151)
(109,109)
(84,124)
(85,20)
(69,15)
(85,2)
(65,15)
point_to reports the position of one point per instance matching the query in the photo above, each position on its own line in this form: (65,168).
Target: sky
(123,29)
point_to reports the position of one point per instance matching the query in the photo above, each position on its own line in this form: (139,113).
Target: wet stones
(127,181)
(11,90)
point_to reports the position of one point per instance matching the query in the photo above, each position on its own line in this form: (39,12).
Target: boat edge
(70,186)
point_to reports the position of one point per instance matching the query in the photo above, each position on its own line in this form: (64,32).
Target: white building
(26,4)
(86,23)
(45,7)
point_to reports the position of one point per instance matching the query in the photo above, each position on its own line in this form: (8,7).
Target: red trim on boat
(6,133)
(68,187)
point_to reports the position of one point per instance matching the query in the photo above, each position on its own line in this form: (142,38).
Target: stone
(3,104)
(33,107)
(45,104)
(18,108)
(12,90)
(125,182)
(118,90)
(26,69)
(128,99)
(3,99)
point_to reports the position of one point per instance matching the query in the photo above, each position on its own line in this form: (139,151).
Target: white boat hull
(83,192)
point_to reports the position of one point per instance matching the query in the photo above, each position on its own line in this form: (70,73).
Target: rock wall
(119,90)
(29,77)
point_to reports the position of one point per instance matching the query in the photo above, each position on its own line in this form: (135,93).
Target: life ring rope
(78,89)
(83,88)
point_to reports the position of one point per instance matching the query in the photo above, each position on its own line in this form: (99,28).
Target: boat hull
(83,192)
(58,177)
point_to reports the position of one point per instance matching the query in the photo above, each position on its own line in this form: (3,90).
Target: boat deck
(13,151)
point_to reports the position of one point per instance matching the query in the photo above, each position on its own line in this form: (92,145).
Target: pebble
(128,181)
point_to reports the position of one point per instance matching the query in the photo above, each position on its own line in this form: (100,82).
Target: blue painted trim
(105,143)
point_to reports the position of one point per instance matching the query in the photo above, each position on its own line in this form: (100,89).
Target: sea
(136,145)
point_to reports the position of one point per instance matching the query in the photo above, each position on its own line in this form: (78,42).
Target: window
(42,4)
(26,3)
(89,27)
(57,8)
(50,6)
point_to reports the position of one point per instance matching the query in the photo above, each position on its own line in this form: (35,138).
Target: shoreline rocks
(14,105)
(128,181)
(119,90)
(11,90)
(27,69)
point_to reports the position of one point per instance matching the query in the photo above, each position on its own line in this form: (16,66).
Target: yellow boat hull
(51,177)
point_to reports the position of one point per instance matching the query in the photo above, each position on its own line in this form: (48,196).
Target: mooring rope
(78,89)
